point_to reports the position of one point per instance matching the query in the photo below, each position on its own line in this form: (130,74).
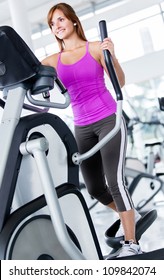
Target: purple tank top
(90,99)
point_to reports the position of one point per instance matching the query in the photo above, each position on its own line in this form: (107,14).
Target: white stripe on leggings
(125,195)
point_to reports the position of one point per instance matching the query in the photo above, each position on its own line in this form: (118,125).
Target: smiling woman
(64,16)
(80,66)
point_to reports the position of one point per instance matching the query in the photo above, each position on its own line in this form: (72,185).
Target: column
(20,21)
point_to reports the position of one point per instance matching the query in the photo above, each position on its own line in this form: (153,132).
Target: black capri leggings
(103,173)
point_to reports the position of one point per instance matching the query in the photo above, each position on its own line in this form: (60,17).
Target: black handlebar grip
(60,86)
(108,62)
(2,103)
(103,29)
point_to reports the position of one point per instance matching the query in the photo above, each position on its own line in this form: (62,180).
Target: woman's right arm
(50,60)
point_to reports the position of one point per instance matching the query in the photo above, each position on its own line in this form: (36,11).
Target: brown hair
(70,14)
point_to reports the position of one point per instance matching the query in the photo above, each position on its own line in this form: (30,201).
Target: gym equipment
(148,218)
(161,103)
(27,231)
(142,225)
(43,214)
(139,174)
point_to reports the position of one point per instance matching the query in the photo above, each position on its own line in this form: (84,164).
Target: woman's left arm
(107,44)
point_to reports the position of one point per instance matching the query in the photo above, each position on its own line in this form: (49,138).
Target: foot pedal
(142,225)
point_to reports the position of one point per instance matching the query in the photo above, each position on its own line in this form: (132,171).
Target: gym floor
(103,218)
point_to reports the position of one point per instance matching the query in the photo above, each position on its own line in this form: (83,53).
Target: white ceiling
(37,9)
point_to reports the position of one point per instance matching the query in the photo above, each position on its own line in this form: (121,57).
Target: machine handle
(78,158)
(60,85)
(2,103)
(48,104)
(108,62)
(44,83)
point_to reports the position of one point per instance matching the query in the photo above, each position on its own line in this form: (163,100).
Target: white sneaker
(120,231)
(129,248)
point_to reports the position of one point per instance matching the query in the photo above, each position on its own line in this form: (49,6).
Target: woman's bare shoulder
(94,48)
(51,60)
(94,45)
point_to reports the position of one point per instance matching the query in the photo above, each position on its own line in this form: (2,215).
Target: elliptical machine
(42,216)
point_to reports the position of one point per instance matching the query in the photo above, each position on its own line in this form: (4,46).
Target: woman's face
(61,26)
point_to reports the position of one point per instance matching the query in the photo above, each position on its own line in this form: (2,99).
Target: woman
(80,66)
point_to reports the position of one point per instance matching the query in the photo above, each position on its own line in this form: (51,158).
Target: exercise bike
(43,214)
(139,173)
